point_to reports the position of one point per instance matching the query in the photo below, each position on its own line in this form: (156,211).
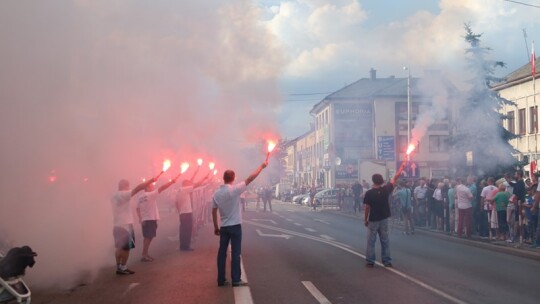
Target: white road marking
(173,238)
(242,294)
(322,221)
(290,220)
(326,237)
(285,236)
(265,220)
(130,287)
(310,229)
(349,250)
(316,293)
(298,224)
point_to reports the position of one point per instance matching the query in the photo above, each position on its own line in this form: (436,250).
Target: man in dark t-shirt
(376,217)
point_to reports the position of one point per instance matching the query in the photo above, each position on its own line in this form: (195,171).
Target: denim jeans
(232,234)
(380,227)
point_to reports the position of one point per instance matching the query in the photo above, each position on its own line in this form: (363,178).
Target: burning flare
(166,165)
(410,148)
(199,161)
(184,167)
(215,172)
(271,145)
(211,166)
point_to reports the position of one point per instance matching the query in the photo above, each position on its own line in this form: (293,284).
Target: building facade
(363,129)
(522,117)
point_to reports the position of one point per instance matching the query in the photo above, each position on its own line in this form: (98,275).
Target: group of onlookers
(502,208)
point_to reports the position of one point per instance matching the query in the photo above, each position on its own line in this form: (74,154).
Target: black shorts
(149,228)
(124,238)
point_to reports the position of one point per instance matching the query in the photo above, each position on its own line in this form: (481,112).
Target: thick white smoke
(101,90)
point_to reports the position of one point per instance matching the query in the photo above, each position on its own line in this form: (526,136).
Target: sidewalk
(174,277)
(516,248)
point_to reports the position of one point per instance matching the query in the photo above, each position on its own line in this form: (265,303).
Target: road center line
(316,293)
(242,294)
(344,248)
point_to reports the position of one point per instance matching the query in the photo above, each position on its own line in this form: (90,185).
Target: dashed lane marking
(348,249)
(316,293)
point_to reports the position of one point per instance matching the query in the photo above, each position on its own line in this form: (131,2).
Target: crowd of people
(225,202)
(502,209)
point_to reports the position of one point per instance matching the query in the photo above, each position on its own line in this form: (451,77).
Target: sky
(92,91)
(330,44)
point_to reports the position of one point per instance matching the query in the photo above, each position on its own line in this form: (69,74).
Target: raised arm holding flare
(227,200)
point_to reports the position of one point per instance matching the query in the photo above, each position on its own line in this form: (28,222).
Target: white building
(519,87)
(363,129)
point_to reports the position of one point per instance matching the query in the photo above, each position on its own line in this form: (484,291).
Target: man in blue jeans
(227,200)
(377,212)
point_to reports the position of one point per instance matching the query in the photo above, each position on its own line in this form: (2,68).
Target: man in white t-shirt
(124,238)
(486,199)
(185,211)
(227,200)
(463,202)
(148,213)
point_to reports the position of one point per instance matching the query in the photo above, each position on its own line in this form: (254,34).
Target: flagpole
(533,70)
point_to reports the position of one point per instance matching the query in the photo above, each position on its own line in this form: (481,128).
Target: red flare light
(199,161)
(215,172)
(271,145)
(211,166)
(184,167)
(166,165)
(410,148)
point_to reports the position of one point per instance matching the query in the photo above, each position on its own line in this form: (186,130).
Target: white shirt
(227,200)
(148,205)
(437,194)
(463,197)
(486,191)
(183,200)
(121,207)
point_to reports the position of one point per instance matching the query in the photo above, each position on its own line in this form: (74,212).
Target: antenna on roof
(526,44)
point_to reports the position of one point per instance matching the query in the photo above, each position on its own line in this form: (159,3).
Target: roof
(367,88)
(522,74)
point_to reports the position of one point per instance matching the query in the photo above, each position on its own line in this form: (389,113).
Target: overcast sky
(330,44)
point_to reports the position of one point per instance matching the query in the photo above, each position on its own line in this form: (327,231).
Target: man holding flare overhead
(227,200)
(148,212)
(377,212)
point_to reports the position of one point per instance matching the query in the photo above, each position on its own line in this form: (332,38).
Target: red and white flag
(533,61)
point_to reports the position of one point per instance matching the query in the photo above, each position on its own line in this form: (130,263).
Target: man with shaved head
(227,201)
(124,238)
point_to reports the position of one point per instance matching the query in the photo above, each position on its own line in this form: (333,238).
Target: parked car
(328,197)
(305,200)
(297,199)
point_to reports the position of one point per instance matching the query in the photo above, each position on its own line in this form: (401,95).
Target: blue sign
(386,148)
(411,170)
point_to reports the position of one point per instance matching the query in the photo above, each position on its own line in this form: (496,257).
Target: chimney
(372,74)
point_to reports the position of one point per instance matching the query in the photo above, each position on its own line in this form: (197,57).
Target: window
(522,124)
(511,122)
(533,114)
(438,143)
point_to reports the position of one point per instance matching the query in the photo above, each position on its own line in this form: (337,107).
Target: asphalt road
(294,255)
(327,249)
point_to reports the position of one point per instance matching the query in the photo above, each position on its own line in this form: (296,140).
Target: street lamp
(408,107)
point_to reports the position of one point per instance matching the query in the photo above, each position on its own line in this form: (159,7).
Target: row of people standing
(459,206)
(148,215)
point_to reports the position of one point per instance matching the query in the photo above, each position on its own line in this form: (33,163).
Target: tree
(478,125)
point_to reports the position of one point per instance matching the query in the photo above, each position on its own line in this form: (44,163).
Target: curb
(521,252)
